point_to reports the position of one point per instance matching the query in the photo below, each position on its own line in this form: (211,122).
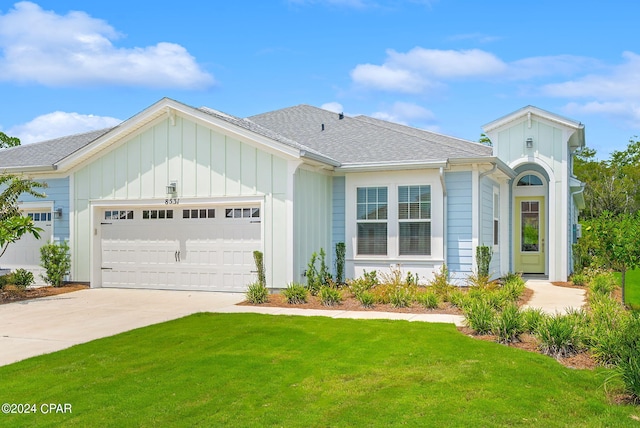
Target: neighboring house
(179,197)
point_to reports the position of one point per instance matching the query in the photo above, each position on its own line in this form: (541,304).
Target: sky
(449,66)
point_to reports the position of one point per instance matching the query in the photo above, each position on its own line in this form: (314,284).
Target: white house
(179,197)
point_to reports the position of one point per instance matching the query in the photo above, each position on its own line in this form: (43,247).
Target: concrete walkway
(554,299)
(40,326)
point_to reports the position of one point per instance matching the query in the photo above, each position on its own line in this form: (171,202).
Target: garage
(25,253)
(207,248)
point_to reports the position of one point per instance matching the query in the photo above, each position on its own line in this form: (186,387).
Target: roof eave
(500,164)
(386,166)
(28,169)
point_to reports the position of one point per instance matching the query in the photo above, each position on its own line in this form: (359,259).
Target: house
(178,197)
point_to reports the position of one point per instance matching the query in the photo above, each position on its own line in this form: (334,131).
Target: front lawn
(261,370)
(632,289)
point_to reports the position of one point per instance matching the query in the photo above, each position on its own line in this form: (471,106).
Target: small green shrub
(629,370)
(532,318)
(401,297)
(366,299)
(558,335)
(382,293)
(429,299)
(340,262)
(258,258)
(56,261)
(257,293)
(440,283)
(22,278)
(458,298)
(513,287)
(603,283)
(508,325)
(295,293)
(479,315)
(329,296)
(6,280)
(483,258)
(580,279)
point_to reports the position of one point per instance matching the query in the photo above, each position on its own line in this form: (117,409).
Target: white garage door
(195,248)
(25,253)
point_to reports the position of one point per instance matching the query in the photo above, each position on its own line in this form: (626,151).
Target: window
(157,214)
(118,215)
(496,219)
(242,213)
(199,213)
(530,212)
(44,216)
(530,180)
(372,211)
(414,216)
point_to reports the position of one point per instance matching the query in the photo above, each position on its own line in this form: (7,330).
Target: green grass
(632,289)
(260,370)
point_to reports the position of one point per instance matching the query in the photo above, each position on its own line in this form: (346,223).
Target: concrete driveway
(41,326)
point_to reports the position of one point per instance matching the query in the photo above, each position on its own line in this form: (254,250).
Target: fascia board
(502,167)
(522,114)
(390,166)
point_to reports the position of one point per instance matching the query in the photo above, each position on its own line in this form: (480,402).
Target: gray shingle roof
(46,153)
(361,139)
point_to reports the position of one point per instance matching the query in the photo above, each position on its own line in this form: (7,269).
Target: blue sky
(446,65)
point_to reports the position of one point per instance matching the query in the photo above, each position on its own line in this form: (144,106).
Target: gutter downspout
(444,217)
(570,255)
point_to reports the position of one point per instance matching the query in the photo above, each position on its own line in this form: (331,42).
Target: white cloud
(407,113)
(59,124)
(420,69)
(76,49)
(626,112)
(333,107)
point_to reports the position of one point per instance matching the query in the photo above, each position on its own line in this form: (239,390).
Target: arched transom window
(530,180)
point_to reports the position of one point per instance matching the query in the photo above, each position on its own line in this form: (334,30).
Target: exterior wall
(207,166)
(459,224)
(338,211)
(312,220)
(550,154)
(57,192)
(423,266)
(488,189)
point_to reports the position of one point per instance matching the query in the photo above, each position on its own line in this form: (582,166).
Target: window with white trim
(372,212)
(118,215)
(414,217)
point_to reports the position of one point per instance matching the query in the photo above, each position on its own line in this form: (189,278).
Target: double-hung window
(414,217)
(372,211)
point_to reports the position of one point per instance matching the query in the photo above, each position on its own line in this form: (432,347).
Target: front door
(530,234)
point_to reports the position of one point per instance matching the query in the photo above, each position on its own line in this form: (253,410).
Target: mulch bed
(10,294)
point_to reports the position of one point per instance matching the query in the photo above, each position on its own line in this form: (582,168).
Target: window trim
(380,221)
(419,220)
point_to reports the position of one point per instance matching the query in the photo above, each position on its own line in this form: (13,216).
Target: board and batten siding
(338,211)
(204,163)
(459,223)
(312,224)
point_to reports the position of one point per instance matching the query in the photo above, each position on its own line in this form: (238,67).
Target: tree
(485,140)
(614,242)
(12,224)
(6,141)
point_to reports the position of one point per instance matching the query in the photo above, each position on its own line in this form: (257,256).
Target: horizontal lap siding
(338,215)
(57,191)
(459,223)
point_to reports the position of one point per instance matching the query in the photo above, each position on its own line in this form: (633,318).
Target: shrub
(513,287)
(479,315)
(508,325)
(258,257)
(483,257)
(257,293)
(580,279)
(295,293)
(366,299)
(340,259)
(531,319)
(401,297)
(313,279)
(56,261)
(429,299)
(382,293)
(6,280)
(329,296)
(459,299)
(629,370)
(477,280)
(558,335)
(22,278)
(604,284)
(440,283)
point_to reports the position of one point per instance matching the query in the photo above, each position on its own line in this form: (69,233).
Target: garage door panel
(190,251)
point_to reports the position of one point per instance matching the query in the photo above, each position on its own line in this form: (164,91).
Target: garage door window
(118,215)
(199,213)
(46,216)
(157,214)
(242,213)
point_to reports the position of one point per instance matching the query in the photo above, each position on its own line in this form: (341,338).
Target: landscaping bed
(11,294)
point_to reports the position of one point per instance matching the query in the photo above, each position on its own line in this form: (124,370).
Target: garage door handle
(106,268)
(177,256)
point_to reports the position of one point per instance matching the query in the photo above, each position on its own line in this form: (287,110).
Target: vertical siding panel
(189,169)
(263,172)
(248,170)
(338,210)
(174,155)
(133,179)
(160,159)
(232,167)
(108,175)
(203,161)
(121,163)
(218,158)
(279,179)
(96,177)
(147,156)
